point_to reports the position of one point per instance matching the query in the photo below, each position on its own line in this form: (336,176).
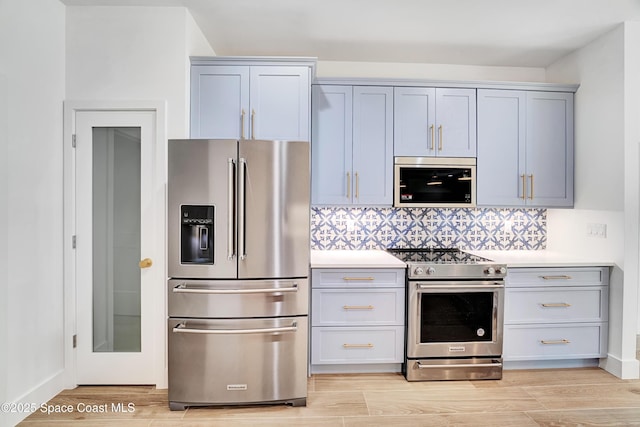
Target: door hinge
(73,140)
(73,241)
(75,341)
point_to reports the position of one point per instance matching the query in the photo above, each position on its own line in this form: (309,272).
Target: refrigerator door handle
(183,288)
(182,328)
(231,192)
(241,208)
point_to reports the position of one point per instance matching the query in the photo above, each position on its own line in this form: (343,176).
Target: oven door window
(456,317)
(435,185)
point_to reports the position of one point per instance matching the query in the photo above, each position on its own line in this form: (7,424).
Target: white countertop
(542,258)
(354,259)
(377,258)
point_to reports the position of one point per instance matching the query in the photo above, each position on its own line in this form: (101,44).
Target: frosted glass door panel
(116,239)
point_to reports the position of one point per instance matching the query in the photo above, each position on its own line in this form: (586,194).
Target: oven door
(455,319)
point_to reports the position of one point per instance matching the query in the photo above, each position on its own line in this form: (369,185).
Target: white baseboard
(35,397)
(625,369)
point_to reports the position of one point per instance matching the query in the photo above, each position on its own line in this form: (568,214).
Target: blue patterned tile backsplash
(464,228)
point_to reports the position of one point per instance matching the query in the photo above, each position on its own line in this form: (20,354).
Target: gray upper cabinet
(525,148)
(250,101)
(352,145)
(434,122)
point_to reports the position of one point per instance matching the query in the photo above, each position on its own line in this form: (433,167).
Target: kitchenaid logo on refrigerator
(236,387)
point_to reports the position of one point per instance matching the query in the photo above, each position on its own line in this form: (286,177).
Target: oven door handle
(458,285)
(182,289)
(182,328)
(461,365)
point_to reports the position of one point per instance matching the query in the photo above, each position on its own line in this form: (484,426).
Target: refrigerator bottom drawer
(237,361)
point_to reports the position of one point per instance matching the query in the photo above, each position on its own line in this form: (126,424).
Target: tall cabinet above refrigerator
(238,288)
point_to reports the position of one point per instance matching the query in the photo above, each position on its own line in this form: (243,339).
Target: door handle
(440,138)
(242,124)
(253,119)
(241,209)
(433,137)
(145,263)
(182,328)
(524,187)
(183,289)
(531,187)
(231,221)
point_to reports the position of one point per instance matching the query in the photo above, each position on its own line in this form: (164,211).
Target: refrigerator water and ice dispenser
(196,234)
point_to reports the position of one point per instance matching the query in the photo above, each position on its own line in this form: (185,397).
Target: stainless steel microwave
(434,182)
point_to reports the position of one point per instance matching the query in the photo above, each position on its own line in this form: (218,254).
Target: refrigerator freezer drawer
(238,298)
(237,361)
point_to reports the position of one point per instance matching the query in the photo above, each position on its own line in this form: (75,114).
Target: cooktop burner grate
(436,256)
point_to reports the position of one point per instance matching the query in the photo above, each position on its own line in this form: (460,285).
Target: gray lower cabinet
(357,320)
(556,314)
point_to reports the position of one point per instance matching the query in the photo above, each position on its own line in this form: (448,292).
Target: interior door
(116,231)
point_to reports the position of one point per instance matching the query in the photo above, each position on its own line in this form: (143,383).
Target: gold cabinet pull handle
(440,138)
(357,307)
(253,117)
(553,342)
(357,186)
(348,185)
(531,187)
(555,304)
(145,263)
(368,345)
(242,114)
(433,137)
(358,278)
(558,277)
(524,187)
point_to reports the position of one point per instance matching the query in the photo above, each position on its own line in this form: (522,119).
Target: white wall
(133,53)
(599,149)
(606,180)
(32,55)
(428,71)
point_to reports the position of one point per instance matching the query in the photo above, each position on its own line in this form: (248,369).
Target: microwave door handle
(231,222)
(241,208)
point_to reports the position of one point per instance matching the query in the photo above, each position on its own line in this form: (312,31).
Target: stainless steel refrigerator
(238,256)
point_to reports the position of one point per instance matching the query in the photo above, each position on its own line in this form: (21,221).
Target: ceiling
(522,33)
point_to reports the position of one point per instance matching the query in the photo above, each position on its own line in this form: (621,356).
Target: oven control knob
(502,270)
(419,271)
(431,270)
(490,270)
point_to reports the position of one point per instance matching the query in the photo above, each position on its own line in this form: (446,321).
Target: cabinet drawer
(357,278)
(540,342)
(340,345)
(556,276)
(551,305)
(378,306)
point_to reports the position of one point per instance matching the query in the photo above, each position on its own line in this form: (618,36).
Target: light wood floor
(567,397)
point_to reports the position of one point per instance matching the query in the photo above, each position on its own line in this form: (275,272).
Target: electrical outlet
(351,225)
(507,226)
(597,230)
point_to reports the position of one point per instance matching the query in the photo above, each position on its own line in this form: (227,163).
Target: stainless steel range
(455,305)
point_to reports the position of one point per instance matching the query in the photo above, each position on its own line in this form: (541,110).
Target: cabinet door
(219,95)
(331,145)
(456,122)
(372,182)
(279,103)
(414,121)
(501,155)
(550,149)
